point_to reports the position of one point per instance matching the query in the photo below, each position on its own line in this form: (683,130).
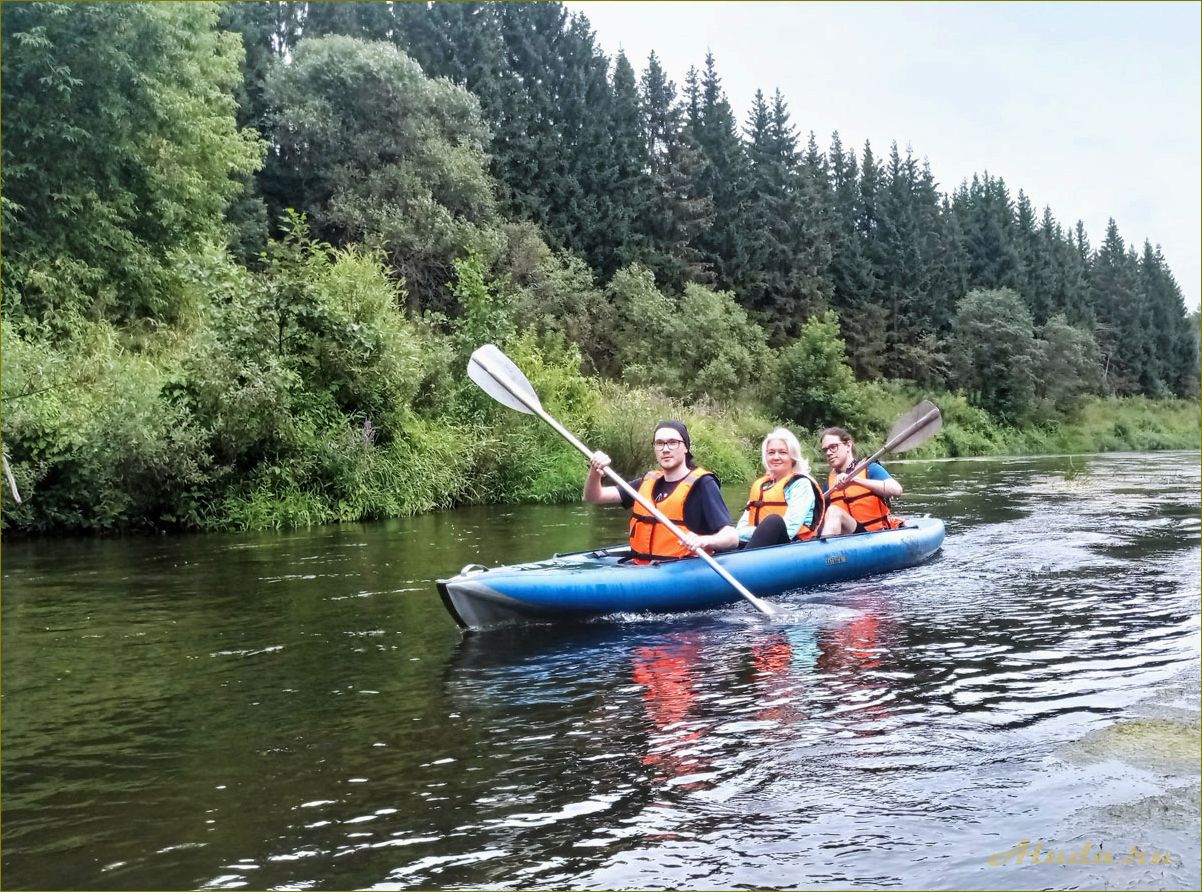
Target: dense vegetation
(248,248)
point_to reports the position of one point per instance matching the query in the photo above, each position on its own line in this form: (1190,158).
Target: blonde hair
(800,464)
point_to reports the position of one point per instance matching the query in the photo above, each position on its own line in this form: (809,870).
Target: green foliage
(483,317)
(994,352)
(93,442)
(318,337)
(168,364)
(559,296)
(1068,363)
(700,345)
(725,441)
(373,151)
(120,149)
(813,386)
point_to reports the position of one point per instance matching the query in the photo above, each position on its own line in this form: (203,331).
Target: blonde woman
(785,504)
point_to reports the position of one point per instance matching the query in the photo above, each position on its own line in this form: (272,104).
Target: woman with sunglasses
(688,495)
(858,504)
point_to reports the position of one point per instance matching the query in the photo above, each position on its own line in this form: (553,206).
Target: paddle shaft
(12,483)
(901,436)
(537,409)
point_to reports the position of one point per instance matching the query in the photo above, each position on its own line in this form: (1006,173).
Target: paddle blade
(915,427)
(497,376)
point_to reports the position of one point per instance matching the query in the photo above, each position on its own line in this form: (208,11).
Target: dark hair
(835,432)
(679,427)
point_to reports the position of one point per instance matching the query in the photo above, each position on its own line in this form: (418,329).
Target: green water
(298,711)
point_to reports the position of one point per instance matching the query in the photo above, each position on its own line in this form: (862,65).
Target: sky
(1091,108)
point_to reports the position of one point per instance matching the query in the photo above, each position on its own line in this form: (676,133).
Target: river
(297,710)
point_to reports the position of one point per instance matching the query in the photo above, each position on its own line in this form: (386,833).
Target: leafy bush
(994,352)
(1068,364)
(814,386)
(700,345)
(94,443)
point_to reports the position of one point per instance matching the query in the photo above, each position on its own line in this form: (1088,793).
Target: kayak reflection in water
(670,676)
(853,652)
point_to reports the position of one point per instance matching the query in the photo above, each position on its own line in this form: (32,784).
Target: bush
(94,443)
(814,386)
(994,352)
(700,345)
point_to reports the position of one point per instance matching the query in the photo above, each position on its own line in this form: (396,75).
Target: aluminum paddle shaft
(497,376)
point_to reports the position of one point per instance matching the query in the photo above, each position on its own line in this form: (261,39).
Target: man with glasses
(688,495)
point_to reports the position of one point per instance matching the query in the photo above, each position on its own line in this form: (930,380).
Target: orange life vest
(650,540)
(868,509)
(767,497)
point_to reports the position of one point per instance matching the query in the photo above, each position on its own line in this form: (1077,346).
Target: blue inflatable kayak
(594,583)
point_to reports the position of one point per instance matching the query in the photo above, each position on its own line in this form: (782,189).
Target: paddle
(12,483)
(912,429)
(504,382)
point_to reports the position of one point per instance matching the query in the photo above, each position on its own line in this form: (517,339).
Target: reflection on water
(298,711)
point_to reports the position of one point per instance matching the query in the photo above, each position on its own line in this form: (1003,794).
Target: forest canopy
(247,248)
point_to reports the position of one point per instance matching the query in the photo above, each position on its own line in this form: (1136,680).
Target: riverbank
(476,452)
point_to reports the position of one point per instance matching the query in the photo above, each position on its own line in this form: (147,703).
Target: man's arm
(705,510)
(594,492)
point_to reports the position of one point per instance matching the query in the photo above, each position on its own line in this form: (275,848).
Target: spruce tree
(866,333)
(724,177)
(1035,263)
(356,18)
(987,220)
(851,274)
(1119,307)
(768,248)
(1172,361)
(677,211)
(624,239)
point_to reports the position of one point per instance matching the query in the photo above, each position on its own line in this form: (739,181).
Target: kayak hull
(595,583)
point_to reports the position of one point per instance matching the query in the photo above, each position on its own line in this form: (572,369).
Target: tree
(365,20)
(1120,310)
(994,352)
(1067,363)
(678,210)
(624,184)
(853,279)
(1172,360)
(786,249)
(373,151)
(698,345)
(987,221)
(813,385)
(269,32)
(1035,261)
(120,149)
(723,176)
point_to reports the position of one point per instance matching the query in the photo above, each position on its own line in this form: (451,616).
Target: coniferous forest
(248,248)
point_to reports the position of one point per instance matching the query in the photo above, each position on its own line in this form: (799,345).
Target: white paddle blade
(497,376)
(915,427)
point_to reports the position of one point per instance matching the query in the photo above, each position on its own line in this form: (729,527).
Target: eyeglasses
(832,447)
(668,444)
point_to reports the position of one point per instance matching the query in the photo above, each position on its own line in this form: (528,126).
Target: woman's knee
(770,531)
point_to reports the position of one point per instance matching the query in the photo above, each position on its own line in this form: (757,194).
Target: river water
(297,710)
